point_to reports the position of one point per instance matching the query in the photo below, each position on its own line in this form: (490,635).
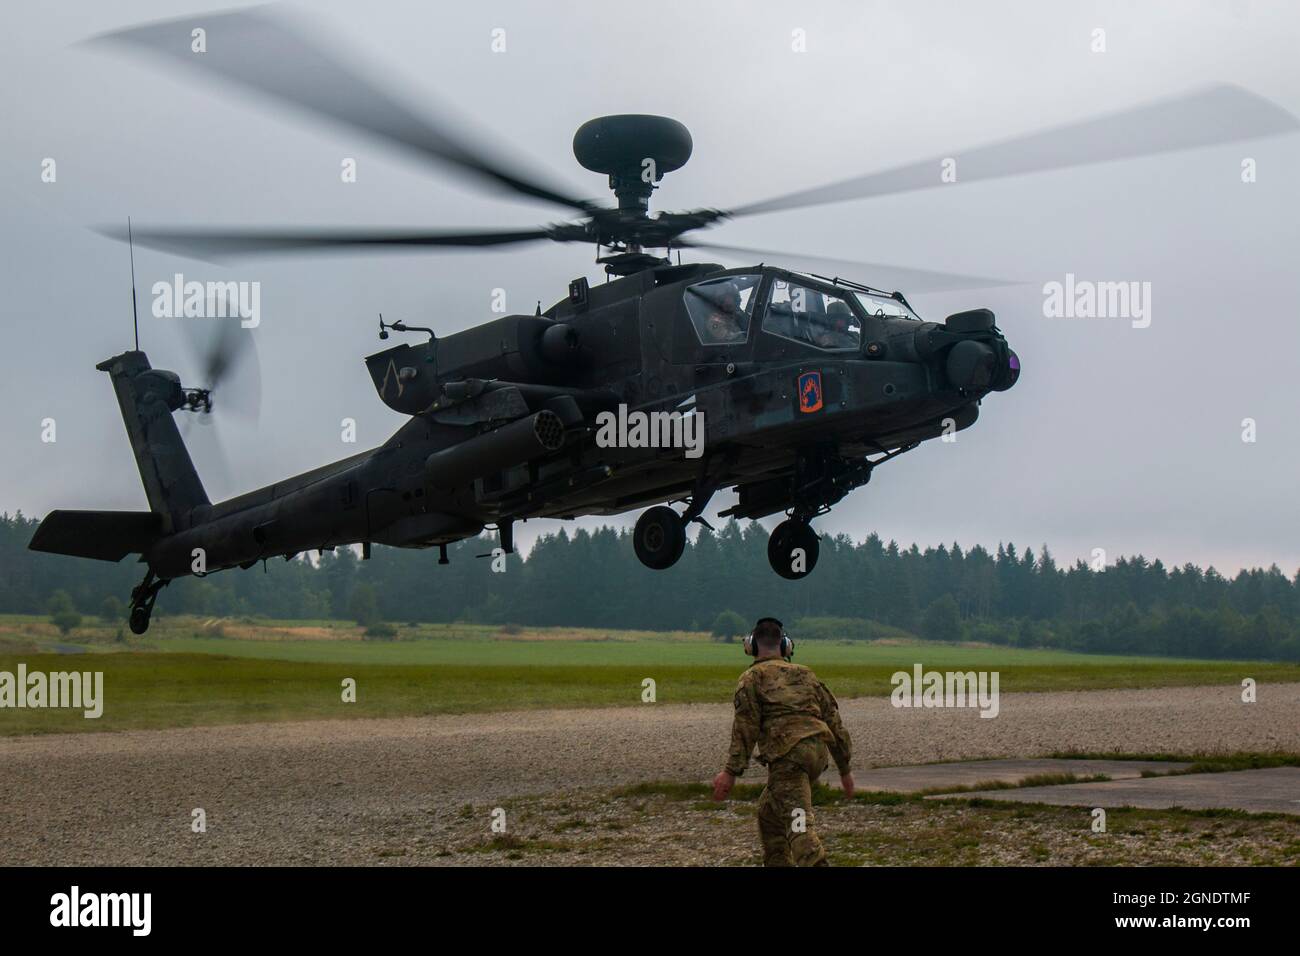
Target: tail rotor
(224,357)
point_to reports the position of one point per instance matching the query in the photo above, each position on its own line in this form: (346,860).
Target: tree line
(584,578)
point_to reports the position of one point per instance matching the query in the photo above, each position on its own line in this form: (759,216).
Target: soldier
(727,323)
(795,721)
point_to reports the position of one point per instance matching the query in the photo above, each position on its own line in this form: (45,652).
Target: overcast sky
(1122,438)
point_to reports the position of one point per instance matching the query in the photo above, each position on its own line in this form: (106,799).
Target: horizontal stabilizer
(102,535)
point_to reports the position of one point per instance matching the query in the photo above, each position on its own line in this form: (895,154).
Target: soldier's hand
(722,785)
(846,781)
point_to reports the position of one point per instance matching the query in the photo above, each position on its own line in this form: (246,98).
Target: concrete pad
(972,773)
(1274,790)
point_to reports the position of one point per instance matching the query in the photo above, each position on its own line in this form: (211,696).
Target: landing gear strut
(792,548)
(143,596)
(659,537)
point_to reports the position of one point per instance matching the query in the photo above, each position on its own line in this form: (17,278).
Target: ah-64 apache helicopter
(805,384)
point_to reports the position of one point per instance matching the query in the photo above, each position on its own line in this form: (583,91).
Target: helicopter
(796,385)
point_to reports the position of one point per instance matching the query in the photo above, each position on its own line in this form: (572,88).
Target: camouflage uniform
(795,721)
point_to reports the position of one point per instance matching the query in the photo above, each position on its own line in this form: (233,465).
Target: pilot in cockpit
(727,321)
(830,329)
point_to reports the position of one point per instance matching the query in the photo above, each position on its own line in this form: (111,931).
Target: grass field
(181,675)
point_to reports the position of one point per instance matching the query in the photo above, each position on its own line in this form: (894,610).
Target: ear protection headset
(787,645)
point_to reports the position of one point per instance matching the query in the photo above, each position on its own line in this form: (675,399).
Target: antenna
(135,314)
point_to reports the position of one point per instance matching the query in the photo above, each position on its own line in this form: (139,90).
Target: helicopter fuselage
(504,422)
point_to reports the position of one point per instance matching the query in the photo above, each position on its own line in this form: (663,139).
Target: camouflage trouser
(788,837)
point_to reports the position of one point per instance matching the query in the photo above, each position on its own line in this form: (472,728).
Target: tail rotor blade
(225,357)
(202,434)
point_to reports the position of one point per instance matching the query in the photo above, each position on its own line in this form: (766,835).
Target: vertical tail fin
(147,397)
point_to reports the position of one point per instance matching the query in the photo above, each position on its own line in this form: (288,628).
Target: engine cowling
(528,349)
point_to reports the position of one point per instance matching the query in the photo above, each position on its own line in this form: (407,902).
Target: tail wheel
(792,549)
(143,596)
(139,620)
(659,538)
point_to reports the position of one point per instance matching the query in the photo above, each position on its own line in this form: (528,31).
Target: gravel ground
(366,791)
(632,829)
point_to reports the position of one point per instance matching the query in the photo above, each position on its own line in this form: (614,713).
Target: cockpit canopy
(721,309)
(812,316)
(822,315)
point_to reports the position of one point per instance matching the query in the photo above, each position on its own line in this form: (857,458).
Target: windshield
(884,305)
(811,316)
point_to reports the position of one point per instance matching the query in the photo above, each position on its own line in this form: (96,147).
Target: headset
(787,645)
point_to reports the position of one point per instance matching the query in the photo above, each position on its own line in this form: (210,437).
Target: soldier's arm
(744,730)
(841,747)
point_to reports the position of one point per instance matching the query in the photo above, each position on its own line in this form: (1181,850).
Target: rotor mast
(634,151)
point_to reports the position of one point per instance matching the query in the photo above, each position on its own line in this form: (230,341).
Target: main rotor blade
(879,276)
(217,244)
(275,57)
(1206,117)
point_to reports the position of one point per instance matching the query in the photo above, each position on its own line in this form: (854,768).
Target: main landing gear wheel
(792,549)
(659,538)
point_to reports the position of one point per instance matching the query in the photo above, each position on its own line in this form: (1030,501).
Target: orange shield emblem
(810,392)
